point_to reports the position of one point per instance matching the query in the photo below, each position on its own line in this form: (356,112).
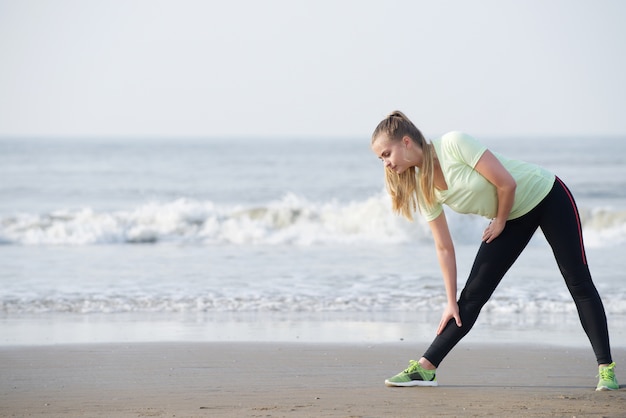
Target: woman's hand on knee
(451,312)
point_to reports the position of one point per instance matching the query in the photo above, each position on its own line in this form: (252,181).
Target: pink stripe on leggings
(580,229)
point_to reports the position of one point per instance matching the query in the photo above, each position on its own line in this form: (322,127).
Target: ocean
(261,239)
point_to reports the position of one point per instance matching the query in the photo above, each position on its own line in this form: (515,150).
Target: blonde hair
(407,193)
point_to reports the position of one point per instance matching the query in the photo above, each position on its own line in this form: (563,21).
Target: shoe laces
(413,365)
(607,373)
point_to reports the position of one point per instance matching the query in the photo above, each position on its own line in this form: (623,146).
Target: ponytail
(407,193)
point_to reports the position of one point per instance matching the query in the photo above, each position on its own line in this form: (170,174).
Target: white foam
(603,226)
(422,301)
(292,220)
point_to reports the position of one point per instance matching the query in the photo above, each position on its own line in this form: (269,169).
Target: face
(397,155)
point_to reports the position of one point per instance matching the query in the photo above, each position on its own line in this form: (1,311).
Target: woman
(518,197)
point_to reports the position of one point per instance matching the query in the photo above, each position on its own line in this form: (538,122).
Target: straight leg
(560,224)
(490,265)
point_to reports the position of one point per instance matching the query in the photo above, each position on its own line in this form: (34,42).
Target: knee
(582,288)
(473,298)
(478,290)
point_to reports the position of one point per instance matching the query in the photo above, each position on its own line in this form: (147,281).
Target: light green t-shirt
(469,192)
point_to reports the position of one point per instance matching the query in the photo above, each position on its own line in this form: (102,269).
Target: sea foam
(292,220)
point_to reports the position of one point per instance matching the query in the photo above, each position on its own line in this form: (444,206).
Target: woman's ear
(406,140)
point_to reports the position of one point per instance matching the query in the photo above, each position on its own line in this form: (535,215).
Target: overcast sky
(311,68)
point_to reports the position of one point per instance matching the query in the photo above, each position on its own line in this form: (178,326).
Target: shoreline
(560,330)
(298,379)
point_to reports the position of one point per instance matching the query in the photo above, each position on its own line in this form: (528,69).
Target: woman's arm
(493,170)
(447,261)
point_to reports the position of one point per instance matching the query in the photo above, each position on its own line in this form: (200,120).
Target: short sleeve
(463,147)
(430,213)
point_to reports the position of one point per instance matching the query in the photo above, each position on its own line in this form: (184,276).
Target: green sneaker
(414,375)
(607,378)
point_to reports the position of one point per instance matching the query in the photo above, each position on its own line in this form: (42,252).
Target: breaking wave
(292,220)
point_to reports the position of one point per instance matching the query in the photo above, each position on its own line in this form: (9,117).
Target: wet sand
(298,380)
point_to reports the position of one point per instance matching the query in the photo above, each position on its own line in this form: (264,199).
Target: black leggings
(558,218)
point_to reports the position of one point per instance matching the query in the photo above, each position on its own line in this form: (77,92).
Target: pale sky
(322,68)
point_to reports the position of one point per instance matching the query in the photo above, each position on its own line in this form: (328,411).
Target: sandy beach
(297,380)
